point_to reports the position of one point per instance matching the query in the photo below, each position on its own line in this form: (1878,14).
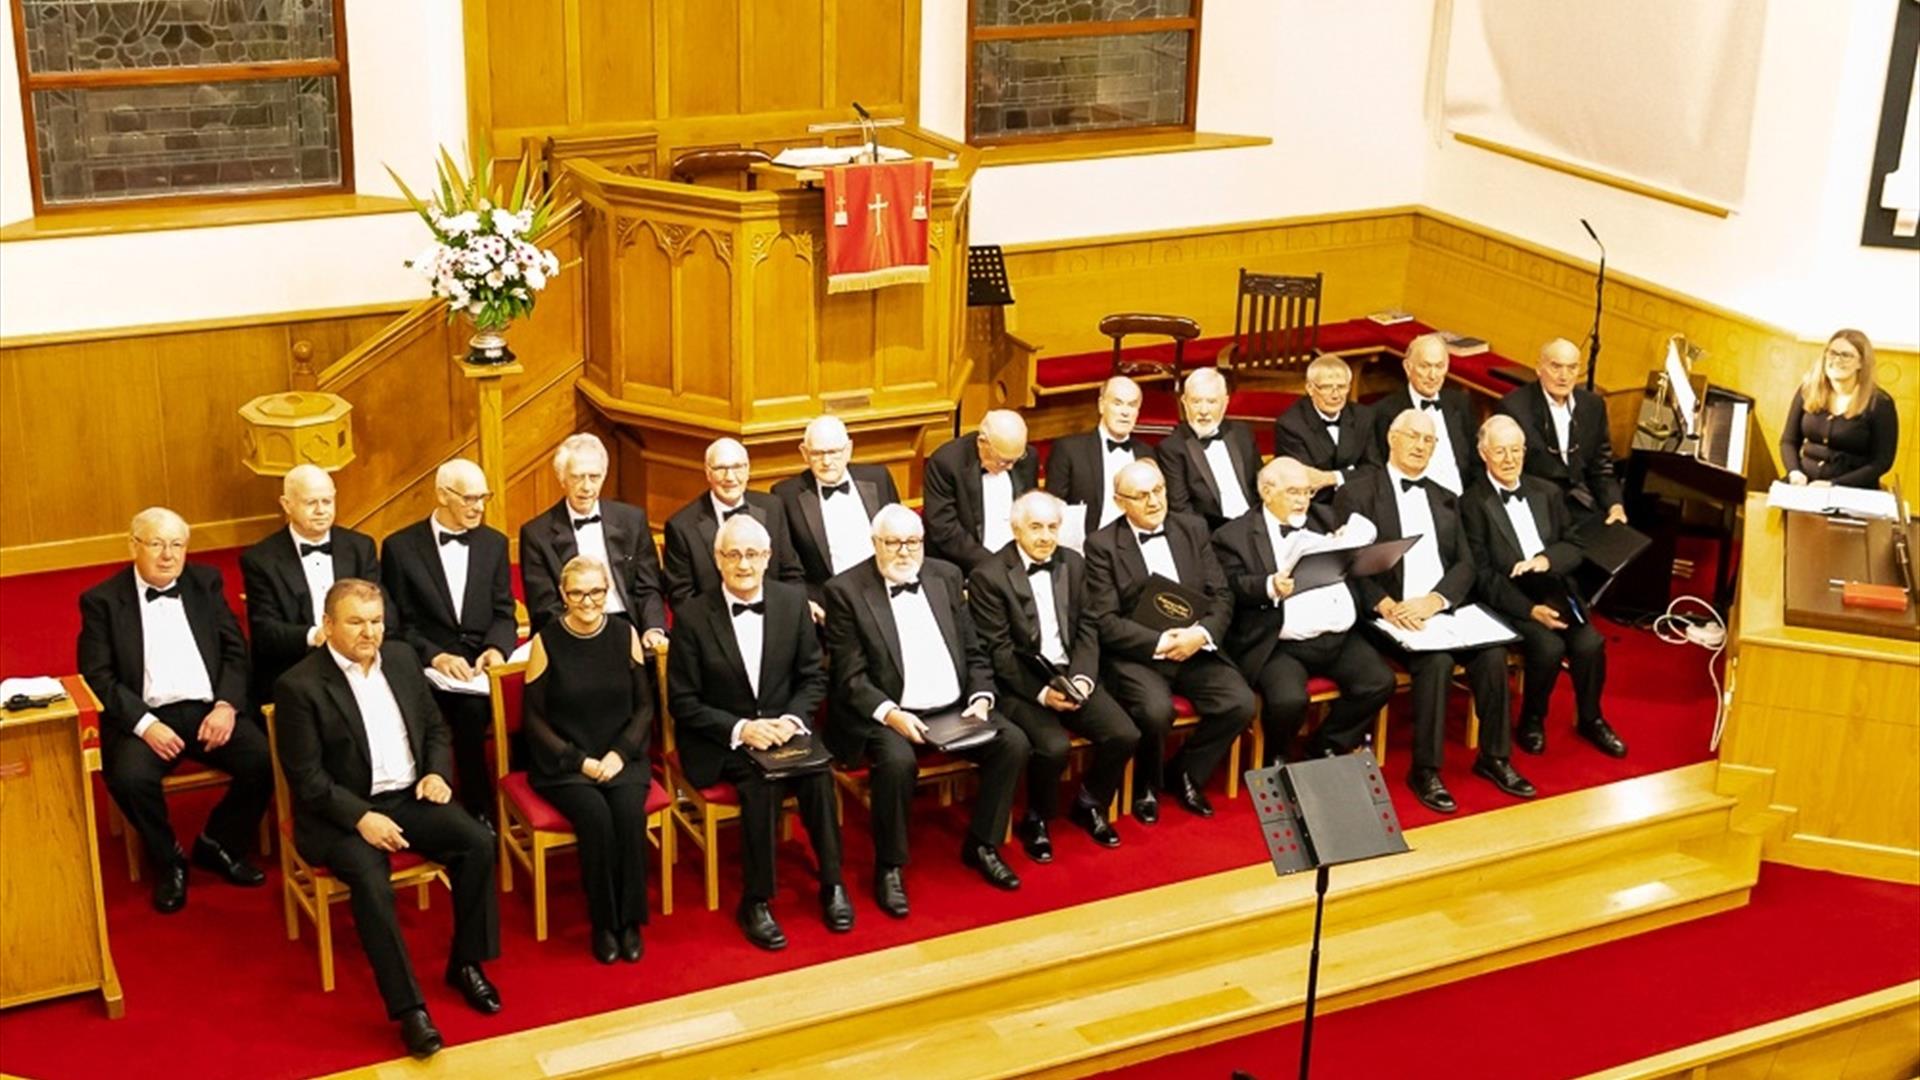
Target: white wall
(407,73)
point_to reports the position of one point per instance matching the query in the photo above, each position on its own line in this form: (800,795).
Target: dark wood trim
(1193,71)
(26,100)
(175,76)
(972,78)
(1029,31)
(343,95)
(1092,133)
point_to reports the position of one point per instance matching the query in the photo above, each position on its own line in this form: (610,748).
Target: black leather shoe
(1431,792)
(631,947)
(473,985)
(890,891)
(419,1035)
(208,855)
(1531,736)
(983,858)
(1034,839)
(170,888)
(1091,819)
(1601,734)
(1146,808)
(757,923)
(1190,797)
(606,947)
(1501,772)
(836,908)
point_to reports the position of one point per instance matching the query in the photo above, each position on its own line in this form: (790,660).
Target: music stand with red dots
(1315,815)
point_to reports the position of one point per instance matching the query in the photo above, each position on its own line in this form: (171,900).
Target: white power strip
(1710,633)
(1707,635)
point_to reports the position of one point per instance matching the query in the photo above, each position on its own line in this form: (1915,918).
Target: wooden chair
(1184,717)
(689,167)
(313,890)
(1403,681)
(1276,323)
(1178,327)
(530,827)
(189,779)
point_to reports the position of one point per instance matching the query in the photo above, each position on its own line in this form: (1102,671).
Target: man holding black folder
(1517,528)
(744,675)
(1162,607)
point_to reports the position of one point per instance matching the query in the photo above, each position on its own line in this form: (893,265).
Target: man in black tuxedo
(365,754)
(1326,430)
(287,575)
(1426,365)
(452,601)
(1435,575)
(745,672)
(162,651)
(1146,667)
(901,645)
(1209,461)
(971,483)
(1081,468)
(582,523)
(1030,608)
(830,507)
(1517,528)
(1567,441)
(690,531)
(1281,637)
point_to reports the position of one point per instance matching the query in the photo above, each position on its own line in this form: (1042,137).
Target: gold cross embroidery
(878,205)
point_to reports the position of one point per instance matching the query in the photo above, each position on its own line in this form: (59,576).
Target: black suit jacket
(548,542)
(1299,433)
(1077,470)
(1456,414)
(1247,559)
(690,533)
(863,644)
(112,645)
(279,605)
(800,501)
(421,611)
(954,518)
(1496,546)
(1190,485)
(1117,574)
(707,685)
(1370,492)
(1005,615)
(1587,474)
(323,744)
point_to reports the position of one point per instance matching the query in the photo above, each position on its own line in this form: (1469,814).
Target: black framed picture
(1882,228)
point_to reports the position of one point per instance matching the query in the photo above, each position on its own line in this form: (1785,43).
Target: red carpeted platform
(1806,940)
(218,990)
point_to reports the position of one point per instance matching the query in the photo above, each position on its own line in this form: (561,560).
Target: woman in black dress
(588,719)
(1841,428)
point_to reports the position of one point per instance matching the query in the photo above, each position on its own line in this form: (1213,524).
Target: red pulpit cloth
(877,224)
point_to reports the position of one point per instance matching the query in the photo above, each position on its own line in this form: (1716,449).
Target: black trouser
(1104,724)
(470,719)
(610,822)
(134,774)
(760,800)
(893,768)
(1584,649)
(447,835)
(1365,681)
(1218,694)
(1432,676)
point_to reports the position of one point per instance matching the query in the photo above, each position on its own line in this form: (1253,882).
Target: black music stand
(1315,815)
(987,276)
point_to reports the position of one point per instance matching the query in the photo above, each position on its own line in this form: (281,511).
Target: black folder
(1555,592)
(1611,547)
(798,756)
(1166,605)
(1323,568)
(955,729)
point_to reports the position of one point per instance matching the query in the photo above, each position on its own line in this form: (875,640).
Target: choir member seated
(1567,441)
(447,579)
(830,507)
(1841,428)
(1523,562)
(1080,468)
(1326,430)
(162,651)
(691,529)
(615,534)
(1426,364)
(1280,636)
(971,483)
(1145,667)
(745,673)
(288,573)
(902,646)
(1209,461)
(1030,608)
(366,757)
(1435,575)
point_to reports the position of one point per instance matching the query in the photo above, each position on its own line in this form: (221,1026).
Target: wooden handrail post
(491,420)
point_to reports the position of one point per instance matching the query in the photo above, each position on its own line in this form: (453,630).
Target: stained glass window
(1054,68)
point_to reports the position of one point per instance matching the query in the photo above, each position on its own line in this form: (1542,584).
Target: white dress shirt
(1326,610)
(1420,569)
(1442,469)
(1111,462)
(750,634)
(453,560)
(849,530)
(591,540)
(317,567)
(1562,417)
(720,509)
(926,665)
(1233,497)
(1333,432)
(388,748)
(1157,553)
(1051,645)
(1521,514)
(996,509)
(175,670)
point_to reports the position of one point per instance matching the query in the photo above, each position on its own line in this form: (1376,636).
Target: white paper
(1073,527)
(1737,438)
(1357,532)
(1854,502)
(476,686)
(521,652)
(1682,389)
(1465,627)
(816,157)
(33,686)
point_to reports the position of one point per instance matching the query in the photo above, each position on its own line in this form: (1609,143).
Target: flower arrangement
(482,261)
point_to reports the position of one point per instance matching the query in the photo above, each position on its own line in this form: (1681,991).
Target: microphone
(1599,292)
(1583,224)
(873,138)
(864,115)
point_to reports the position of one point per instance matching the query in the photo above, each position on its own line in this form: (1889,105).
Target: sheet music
(1357,532)
(1682,389)
(476,686)
(1854,502)
(1073,527)
(1737,438)
(1465,627)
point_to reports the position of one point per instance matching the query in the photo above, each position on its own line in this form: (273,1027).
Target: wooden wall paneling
(645,316)
(704,321)
(871,51)
(199,424)
(704,61)
(527,88)
(616,69)
(781,46)
(781,281)
(22,428)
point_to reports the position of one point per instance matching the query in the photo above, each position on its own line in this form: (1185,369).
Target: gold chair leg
(323,930)
(286,902)
(422,899)
(1126,786)
(1233,768)
(539,892)
(667,860)
(711,850)
(505,856)
(1473,725)
(1380,737)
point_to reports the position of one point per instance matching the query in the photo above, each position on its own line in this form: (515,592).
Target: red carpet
(1807,939)
(218,990)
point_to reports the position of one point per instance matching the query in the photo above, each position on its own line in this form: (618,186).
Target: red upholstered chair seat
(399,860)
(720,794)
(538,812)
(1320,684)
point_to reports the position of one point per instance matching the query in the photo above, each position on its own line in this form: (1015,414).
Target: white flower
(474,308)
(535,279)
(510,269)
(495,279)
(460,224)
(506,224)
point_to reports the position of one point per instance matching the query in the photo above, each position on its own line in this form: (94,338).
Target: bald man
(1209,461)
(830,507)
(1567,441)
(1081,468)
(289,571)
(690,531)
(970,486)
(1426,364)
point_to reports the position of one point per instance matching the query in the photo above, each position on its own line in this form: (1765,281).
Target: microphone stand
(1599,287)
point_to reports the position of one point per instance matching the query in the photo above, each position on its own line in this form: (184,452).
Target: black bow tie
(1334,422)
(1427,403)
(727,515)
(1289,530)
(172,592)
(1516,495)
(583,522)
(1124,444)
(1146,536)
(456,538)
(1207,440)
(1040,568)
(758,607)
(319,549)
(842,488)
(903,587)
(1409,485)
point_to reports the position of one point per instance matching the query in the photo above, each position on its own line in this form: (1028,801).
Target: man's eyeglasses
(474,500)
(728,470)
(733,555)
(900,546)
(823,453)
(172,547)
